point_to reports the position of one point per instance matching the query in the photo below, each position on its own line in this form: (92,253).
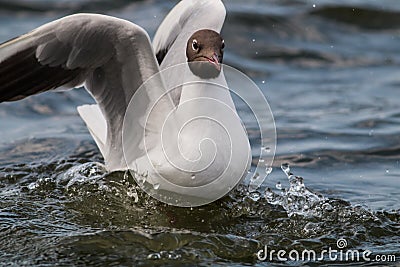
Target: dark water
(331,76)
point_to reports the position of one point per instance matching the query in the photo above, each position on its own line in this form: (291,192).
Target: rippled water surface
(330,71)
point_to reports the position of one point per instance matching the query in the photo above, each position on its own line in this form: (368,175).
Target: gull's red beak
(215,61)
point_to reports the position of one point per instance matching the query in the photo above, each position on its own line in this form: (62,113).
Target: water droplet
(278,185)
(313,5)
(92,171)
(387,171)
(126,175)
(255,176)
(154,256)
(133,194)
(292,180)
(266,149)
(327,207)
(371,133)
(268,193)
(255,196)
(263,82)
(193,177)
(271,197)
(174,256)
(33,186)
(254,40)
(286,168)
(156,186)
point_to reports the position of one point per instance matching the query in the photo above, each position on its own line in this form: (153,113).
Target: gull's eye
(195,45)
(223,44)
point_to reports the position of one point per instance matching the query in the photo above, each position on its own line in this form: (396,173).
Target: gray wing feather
(112,57)
(78,45)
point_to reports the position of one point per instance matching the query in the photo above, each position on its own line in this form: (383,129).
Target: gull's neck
(195,87)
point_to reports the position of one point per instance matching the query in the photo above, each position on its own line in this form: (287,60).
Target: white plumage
(113,58)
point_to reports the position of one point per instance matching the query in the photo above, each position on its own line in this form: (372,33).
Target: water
(330,74)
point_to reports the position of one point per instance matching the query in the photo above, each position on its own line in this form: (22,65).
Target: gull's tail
(97,125)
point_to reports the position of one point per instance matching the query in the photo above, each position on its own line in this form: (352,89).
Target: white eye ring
(195,45)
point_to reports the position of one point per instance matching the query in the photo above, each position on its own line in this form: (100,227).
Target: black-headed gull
(112,58)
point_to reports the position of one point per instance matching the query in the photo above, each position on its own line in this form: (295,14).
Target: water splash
(156,186)
(125,214)
(255,196)
(259,177)
(297,199)
(166,255)
(90,172)
(278,185)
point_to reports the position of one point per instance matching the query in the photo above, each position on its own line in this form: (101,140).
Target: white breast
(202,141)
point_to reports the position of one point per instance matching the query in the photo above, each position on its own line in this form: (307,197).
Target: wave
(64,7)
(85,211)
(366,18)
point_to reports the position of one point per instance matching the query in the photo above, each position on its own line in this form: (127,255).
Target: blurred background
(329,69)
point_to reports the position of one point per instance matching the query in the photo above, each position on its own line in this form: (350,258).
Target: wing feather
(110,56)
(21,75)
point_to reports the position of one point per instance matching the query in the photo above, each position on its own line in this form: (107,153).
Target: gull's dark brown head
(205,46)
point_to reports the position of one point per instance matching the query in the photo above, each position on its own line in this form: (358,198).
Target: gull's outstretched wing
(110,56)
